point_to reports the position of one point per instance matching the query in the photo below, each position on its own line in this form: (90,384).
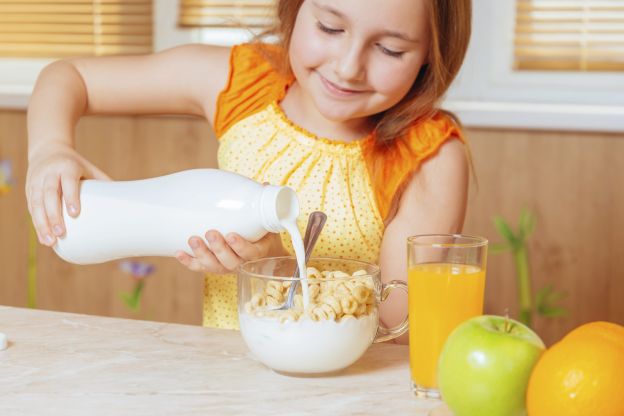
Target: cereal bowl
(324,335)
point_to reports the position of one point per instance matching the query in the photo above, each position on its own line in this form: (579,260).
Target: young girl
(343,110)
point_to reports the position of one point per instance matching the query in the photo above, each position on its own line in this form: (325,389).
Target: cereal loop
(349,305)
(334,295)
(360,293)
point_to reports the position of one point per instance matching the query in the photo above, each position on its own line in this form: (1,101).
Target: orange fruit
(605,330)
(581,374)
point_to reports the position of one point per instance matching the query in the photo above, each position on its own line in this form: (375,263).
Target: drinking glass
(446,282)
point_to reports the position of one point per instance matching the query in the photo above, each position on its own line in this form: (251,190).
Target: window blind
(47,28)
(569,35)
(233,13)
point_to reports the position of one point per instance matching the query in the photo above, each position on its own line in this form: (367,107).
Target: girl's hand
(54,172)
(224,254)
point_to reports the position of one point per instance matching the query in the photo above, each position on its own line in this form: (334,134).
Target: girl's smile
(338,91)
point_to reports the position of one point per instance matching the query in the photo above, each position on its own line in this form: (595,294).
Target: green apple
(485,365)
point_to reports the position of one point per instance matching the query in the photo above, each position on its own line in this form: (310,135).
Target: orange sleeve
(253,83)
(391,166)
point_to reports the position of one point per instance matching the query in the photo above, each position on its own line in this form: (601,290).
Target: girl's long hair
(449,26)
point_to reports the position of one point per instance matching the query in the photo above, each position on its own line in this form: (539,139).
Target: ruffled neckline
(333,143)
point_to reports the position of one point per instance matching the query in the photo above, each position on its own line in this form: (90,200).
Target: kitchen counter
(68,364)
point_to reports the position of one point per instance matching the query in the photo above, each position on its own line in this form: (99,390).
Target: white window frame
(167,34)
(17,78)
(487,92)
(18,75)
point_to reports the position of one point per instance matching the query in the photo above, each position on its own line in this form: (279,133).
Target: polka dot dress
(330,176)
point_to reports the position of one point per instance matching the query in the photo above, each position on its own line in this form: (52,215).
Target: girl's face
(356,58)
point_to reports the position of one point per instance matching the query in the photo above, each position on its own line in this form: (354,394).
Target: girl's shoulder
(256,53)
(420,140)
(430,134)
(255,80)
(392,164)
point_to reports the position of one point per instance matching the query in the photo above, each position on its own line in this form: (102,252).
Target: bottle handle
(386,334)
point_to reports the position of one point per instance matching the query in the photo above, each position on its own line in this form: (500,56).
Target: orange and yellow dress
(257,140)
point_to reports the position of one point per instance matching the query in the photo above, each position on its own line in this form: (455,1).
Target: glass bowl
(331,332)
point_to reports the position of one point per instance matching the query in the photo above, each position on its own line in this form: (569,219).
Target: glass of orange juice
(446,282)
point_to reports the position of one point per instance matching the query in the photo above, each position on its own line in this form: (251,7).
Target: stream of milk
(297,242)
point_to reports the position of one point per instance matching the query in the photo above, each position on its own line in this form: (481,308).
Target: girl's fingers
(243,248)
(265,243)
(205,256)
(71,194)
(40,222)
(189,261)
(52,205)
(222,251)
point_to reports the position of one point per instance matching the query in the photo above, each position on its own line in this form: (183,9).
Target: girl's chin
(337,114)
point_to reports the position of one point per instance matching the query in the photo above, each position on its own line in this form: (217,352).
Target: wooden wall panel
(126,148)
(13,213)
(571,181)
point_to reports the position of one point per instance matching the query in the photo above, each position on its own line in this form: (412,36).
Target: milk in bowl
(339,323)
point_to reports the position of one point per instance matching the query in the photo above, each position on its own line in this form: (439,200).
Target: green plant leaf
(525,317)
(505,231)
(546,300)
(542,294)
(133,299)
(130,300)
(497,248)
(553,312)
(526,225)
(547,295)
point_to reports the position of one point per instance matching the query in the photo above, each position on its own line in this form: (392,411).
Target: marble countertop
(68,364)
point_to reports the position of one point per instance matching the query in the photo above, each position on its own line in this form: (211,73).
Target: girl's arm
(182,80)
(434,201)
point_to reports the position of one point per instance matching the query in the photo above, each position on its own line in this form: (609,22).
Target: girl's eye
(389,52)
(327,29)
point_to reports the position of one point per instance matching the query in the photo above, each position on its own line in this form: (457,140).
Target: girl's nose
(350,64)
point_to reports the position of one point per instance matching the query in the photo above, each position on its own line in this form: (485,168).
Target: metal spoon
(316,221)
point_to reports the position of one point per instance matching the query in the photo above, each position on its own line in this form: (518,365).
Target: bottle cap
(4,342)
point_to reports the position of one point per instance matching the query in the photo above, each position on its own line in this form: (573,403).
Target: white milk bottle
(156,216)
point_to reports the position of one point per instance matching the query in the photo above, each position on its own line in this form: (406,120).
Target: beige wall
(571,181)
(126,148)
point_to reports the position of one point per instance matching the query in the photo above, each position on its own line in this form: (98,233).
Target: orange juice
(441,296)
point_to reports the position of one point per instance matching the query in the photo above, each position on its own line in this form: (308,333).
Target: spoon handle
(316,222)
(313,231)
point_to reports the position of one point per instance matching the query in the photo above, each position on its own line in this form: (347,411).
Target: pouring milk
(156,216)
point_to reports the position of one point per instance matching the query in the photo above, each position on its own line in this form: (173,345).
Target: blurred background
(541,97)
